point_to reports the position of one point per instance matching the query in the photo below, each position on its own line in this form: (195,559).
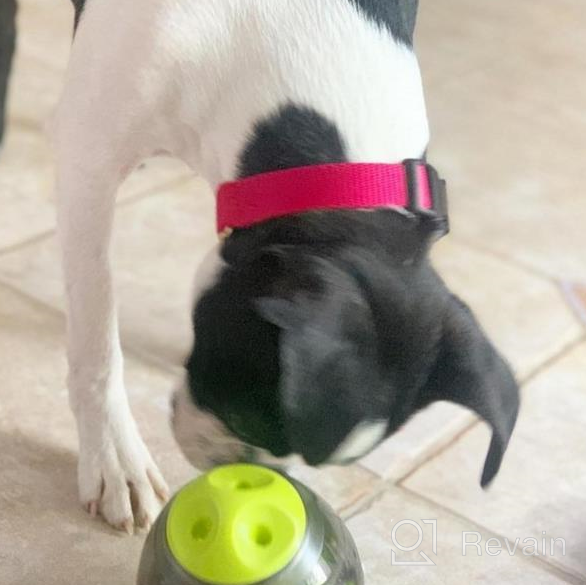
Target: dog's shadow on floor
(45,535)
(38,487)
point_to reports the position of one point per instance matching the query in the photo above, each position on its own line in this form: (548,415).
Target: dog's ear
(327,358)
(470,372)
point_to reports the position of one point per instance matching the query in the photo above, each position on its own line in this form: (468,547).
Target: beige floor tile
(373,531)
(44,534)
(525,316)
(34,90)
(159,242)
(40,516)
(509,139)
(45,30)
(33,368)
(26,196)
(543,480)
(510,305)
(342,487)
(458,37)
(44,41)
(575,294)
(426,433)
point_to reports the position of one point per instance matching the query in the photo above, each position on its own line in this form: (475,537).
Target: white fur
(204,440)
(190,77)
(360,441)
(207,272)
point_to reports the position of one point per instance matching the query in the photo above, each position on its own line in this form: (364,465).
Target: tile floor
(507,99)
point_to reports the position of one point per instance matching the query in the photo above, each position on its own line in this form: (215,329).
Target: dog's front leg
(117,476)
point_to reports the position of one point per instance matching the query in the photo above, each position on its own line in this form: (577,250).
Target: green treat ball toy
(248,525)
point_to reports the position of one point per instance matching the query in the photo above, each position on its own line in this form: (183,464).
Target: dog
(318,330)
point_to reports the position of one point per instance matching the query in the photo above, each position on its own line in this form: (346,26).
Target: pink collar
(412,185)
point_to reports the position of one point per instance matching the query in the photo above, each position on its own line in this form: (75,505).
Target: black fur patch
(7,46)
(322,321)
(295,136)
(79,5)
(398,16)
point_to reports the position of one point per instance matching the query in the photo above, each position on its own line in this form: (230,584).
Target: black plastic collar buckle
(437,216)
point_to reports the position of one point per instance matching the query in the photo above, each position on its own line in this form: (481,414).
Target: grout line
(25,124)
(350,509)
(563,288)
(146,357)
(141,356)
(368,502)
(155,190)
(568,575)
(553,359)
(42,306)
(433,454)
(570,296)
(36,239)
(520,264)
(127,201)
(23,54)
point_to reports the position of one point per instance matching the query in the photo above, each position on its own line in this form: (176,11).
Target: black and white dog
(318,334)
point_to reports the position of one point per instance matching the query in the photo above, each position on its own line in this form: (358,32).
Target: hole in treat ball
(262,536)
(202,528)
(244,485)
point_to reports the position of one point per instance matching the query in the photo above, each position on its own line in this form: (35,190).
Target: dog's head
(323,333)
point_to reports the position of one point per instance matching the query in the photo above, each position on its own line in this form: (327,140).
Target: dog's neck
(312,93)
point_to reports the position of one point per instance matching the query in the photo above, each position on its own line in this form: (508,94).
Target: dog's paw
(118,478)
